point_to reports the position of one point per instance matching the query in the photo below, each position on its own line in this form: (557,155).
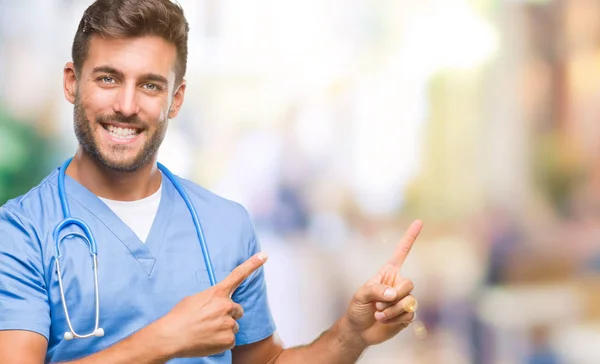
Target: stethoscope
(88,237)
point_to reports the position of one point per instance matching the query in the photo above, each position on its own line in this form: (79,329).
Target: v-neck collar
(145,253)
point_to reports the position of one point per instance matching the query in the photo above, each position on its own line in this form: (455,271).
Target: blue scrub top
(138,282)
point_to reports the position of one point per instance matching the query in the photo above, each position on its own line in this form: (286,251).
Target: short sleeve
(23,295)
(257,322)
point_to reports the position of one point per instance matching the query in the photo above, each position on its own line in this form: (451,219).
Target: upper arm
(257,341)
(24,307)
(22,347)
(257,322)
(260,352)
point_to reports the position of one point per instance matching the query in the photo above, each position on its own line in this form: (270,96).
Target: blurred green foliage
(25,156)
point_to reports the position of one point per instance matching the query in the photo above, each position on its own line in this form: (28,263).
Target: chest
(137,283)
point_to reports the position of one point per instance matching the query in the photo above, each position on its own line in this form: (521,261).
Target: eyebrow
(155,78)
(109,70)
(146,77)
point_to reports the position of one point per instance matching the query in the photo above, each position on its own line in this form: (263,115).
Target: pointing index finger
(241,272)
(406,243)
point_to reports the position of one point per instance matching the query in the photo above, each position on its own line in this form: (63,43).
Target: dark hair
(133,18)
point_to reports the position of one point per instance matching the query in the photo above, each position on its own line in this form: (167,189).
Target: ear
(70,82)
(178,97)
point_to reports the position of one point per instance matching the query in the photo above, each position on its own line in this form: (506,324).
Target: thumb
(375,292)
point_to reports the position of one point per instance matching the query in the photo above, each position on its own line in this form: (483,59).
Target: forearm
(144,347)
(338,345)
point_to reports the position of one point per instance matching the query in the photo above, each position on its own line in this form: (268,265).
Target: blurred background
(338,122)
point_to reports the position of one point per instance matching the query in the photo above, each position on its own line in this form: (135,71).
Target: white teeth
(118,132)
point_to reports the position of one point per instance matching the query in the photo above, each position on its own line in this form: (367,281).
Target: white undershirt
(138,215)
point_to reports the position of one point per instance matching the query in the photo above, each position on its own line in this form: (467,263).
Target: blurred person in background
(126,81)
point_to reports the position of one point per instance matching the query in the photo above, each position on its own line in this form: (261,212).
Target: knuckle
(225,305)
(381,306)
(409,284)
(226,326)
(405,248)
(230,341)
(395,309)
(231,323)
(390,313)
(240,310)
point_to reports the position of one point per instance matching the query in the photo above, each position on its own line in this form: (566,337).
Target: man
(155,303)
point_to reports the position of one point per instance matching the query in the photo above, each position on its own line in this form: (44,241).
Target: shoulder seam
(28,194)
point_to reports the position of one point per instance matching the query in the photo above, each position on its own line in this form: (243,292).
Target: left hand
(383,306)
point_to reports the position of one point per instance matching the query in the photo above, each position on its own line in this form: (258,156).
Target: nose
(126,102)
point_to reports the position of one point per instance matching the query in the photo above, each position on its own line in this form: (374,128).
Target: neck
(114,185)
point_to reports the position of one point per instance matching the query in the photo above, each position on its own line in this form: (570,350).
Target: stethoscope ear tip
(68,336)
(99,332)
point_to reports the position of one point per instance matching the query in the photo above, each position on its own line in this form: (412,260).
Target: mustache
(133,120)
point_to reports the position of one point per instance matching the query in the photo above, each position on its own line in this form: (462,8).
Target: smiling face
(123,98)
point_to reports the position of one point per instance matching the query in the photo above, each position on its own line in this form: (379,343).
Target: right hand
(205,323)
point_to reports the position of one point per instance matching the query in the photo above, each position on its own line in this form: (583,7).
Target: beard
(115,157)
